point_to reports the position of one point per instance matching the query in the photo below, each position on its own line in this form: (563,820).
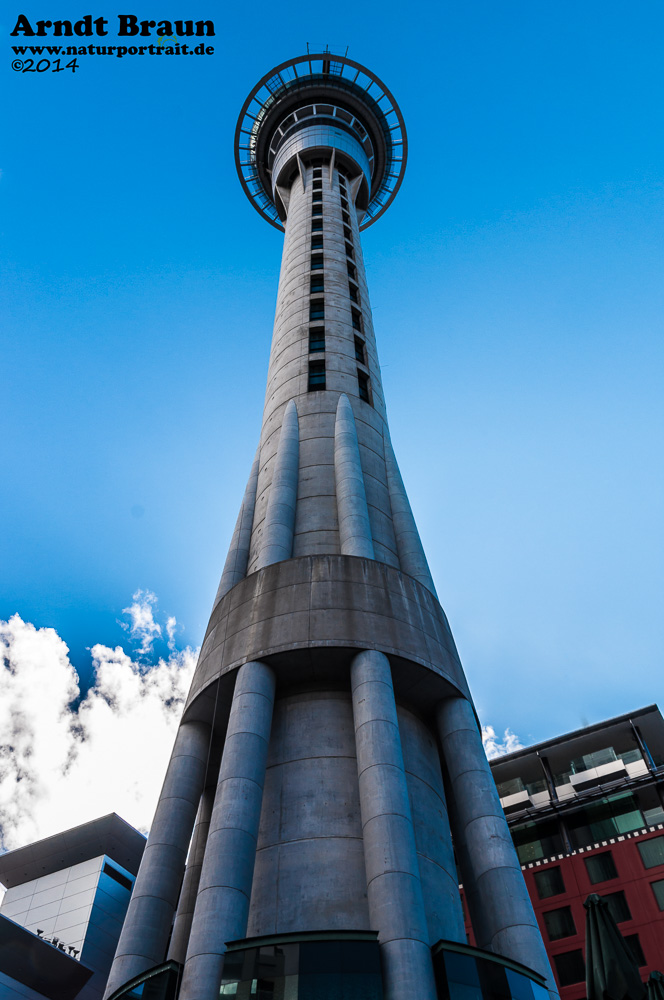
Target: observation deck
(320,102)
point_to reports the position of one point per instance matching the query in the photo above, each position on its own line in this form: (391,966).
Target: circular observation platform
(308,104)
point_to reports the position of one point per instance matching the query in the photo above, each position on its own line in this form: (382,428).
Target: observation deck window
(316,375)
(316,339)
(324,109)
(363,386)
(304,112)
(345,117)
(316,261)
(317,309)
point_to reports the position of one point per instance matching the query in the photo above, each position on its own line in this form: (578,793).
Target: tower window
(316,339)
(317,196)
(346,217)
(317,283)
(344,204)
(559,923)
(349,251)
(363,386)
(352,273)
(601,867)
(357,320)
(317,309)
(316,209)
(316,242)
(318,185)
(318,172)
(316,375)
(347,233)
(359,350)
(316,261)
(353,292)
(316,225)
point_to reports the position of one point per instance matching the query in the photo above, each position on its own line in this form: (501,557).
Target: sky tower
(329,762)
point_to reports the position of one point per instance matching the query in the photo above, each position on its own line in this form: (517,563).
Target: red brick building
(586,811)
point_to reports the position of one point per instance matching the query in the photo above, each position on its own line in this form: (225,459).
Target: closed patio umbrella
(611,972)
(655,986)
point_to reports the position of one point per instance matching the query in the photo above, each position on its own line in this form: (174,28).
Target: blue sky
(517,291)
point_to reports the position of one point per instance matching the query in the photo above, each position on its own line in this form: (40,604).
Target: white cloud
(60,767)
(171,627)
(142,627)
(493,747)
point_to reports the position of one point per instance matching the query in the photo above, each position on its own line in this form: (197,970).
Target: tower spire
(329,700)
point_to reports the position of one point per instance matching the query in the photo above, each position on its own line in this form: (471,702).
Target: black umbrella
(655,986)
(611,972)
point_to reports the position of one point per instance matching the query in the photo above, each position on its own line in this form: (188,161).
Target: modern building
(586,811)
(62,912)
(329,752)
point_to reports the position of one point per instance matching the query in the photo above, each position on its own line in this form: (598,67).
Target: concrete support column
(409,545)
(222,905)
(394,890)
(235,567)
(149,917)
(177,949)
(500,909)
(354,527)
(277,540)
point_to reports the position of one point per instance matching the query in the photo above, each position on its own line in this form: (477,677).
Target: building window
(347,233)
(359,350)
(652,852)
(570,967)
(559,923)
(316,262)
(606,818)
(356,320)
(601,867)
(352,290)
(344,203)
(317,309)
(658,889)
(318,172)
(121,879)
(346,218)
(316,339)
(534,841)
(316,225)
(618,907)
(318,185)
(549,882)
(634,945)
(317,283)
(349,251)
(317,196)
(316,209)
(316,242)
(363,386)
(351,271)
(316,375)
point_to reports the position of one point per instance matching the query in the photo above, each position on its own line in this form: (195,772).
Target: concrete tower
(329,755)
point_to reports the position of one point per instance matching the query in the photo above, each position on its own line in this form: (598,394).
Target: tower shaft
(340,722)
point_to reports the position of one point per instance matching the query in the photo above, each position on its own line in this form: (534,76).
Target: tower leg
(177,949)
(500,909)
(394,890)
(222,904)
(149,917)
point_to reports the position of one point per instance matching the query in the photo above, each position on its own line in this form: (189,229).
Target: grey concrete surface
(354,525)
(500,909)
(277,540)
(235,567)
(147,925)
(177,948)
(394,890)
(222,903)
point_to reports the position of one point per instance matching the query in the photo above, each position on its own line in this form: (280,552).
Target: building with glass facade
(62,912)
(586,811)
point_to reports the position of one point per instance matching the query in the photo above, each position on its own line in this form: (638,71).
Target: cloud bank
(61,766)
(493,747)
